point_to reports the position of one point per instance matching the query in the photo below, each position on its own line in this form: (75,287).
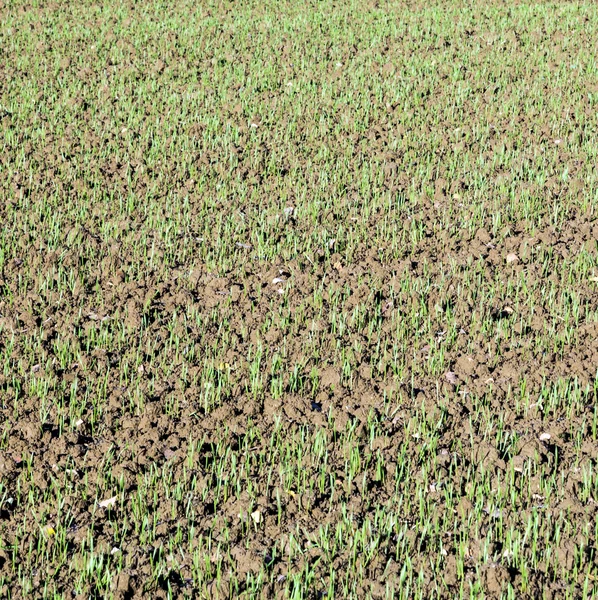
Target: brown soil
(424,359)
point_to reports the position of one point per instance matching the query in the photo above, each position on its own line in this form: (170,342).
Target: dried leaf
(512,257)
(108,502)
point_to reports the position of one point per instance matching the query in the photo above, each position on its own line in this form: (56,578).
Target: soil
(143,345)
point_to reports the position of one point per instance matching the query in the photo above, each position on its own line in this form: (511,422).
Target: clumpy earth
(298,300)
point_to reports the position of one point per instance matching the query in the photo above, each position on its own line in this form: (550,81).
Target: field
(298,299)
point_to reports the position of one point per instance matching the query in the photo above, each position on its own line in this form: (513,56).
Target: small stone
(451,377)
(257,517)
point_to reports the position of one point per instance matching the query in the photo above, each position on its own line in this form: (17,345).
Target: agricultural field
(298,299)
